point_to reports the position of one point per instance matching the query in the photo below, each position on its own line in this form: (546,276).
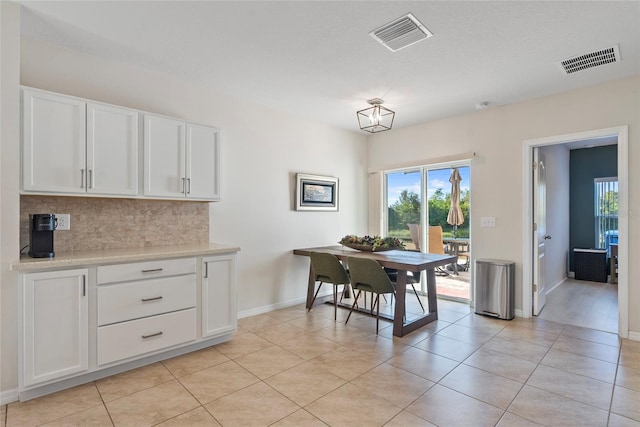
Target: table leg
(310,287)
(432,296)
(401,292)
(455,263)
(400,328)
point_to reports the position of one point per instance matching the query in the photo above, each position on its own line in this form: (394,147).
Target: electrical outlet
(488,221)
(64,221)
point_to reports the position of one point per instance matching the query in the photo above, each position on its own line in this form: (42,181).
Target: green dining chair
(368,275)
(327,268)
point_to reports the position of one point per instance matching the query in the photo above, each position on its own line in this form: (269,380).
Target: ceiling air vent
(401,33)
(590,60)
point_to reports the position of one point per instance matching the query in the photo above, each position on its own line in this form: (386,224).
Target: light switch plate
(488,221)
(64,221)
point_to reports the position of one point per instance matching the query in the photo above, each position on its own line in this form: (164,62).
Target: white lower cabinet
(151,306)
(133,338)
(55,325)
(219,313)
(78,322)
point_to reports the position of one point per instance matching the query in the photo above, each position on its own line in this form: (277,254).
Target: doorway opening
(560,293)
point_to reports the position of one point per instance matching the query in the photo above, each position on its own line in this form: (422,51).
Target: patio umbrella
(455,216)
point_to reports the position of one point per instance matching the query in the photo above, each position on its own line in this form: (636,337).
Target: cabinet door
(54,325)
(202,162)
(218,295)
(53,143)
(164,157)
(112,150)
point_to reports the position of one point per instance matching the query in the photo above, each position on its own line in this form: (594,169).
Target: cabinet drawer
(145,270)
(137,337)
(133,300)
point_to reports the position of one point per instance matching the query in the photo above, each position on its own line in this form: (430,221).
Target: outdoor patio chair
(415,232)
(465,251)
(436,246)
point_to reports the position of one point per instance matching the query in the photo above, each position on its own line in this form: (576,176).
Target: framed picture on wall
(316,193)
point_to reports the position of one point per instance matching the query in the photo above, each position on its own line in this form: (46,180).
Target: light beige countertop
(110,256)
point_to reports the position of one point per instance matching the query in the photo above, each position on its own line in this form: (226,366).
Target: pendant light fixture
(375,118)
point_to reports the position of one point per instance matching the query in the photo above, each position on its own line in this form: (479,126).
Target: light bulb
(374,117)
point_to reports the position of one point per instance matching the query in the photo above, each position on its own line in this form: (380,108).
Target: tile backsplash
(102,223)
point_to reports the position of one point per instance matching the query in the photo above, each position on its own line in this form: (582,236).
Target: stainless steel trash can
(495,288)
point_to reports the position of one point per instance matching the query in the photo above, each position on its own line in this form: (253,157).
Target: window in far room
(606,211)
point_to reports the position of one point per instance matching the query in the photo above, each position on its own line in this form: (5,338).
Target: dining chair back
(327,268)
(415,233)
(436,246)
(368,275)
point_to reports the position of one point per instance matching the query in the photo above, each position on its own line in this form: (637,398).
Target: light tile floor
(297,368)
(581,303)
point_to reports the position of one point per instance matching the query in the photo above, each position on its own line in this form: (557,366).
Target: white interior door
(540,231)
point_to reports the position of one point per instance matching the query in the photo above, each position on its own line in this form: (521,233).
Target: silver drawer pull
(153,270)
(151,299)
(157,334)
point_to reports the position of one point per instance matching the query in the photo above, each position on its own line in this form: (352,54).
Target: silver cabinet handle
(153,270)
(84,286)
(81,178)
(90,178)
(183,186)
(188,185)
(157,334)
(151,299)
(206,269)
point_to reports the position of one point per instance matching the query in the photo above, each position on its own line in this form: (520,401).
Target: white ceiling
(316,58)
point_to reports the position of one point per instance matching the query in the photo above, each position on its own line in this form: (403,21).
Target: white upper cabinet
(202,162)
(164,157)
(112,150)
(53,148)
(180,159)
(71,146)
(74,146)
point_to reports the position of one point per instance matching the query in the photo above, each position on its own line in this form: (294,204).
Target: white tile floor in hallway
(297,368)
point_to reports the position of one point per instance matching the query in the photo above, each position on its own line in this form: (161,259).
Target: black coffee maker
(41,227)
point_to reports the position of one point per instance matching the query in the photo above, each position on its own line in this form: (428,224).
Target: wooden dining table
(403,261)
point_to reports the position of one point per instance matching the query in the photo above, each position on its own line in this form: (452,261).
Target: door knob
(547,237)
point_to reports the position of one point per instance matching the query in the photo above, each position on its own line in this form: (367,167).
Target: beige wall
(9,197)
(497,135)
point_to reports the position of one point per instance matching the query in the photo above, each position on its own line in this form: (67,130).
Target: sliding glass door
(421,197)
(404,204)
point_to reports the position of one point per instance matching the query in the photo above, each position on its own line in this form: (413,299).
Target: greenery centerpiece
(372,243)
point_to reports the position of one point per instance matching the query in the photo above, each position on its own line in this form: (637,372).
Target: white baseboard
(8,396)
(518,312)
(551,288)
(278,306)
(634,336)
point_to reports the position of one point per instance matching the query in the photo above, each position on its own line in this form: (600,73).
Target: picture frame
(316,193)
